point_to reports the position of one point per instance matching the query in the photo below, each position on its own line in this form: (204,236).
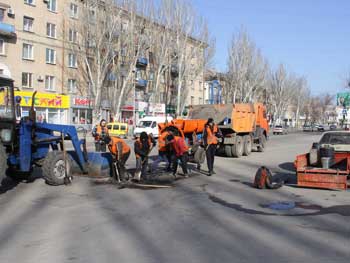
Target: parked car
(320,128)
(279,129)
(333,127)
(118,129)
(307,128)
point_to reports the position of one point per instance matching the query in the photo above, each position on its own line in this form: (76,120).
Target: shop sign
(43,100)
(82,102)
(157,107)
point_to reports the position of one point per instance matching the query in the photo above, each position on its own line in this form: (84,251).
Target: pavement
(221,218)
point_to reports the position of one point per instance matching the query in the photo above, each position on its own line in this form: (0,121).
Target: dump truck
(244,126)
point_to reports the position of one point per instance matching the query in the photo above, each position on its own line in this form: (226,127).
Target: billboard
(343,99)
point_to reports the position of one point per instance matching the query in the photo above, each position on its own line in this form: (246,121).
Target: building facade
(35,50)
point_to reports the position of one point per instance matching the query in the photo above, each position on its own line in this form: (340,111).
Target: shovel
(137,175)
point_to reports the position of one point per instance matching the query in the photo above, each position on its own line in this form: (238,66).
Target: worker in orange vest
(164,151)
(143,146)
(121,152)
(181,153)
(210,143)
(101,135)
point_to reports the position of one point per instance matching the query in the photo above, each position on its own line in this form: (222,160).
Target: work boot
(210,173)
(186,176)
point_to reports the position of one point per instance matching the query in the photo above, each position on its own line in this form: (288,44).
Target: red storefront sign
(83,102)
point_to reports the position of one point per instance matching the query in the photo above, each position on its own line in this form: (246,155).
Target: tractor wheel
(228,150)
(3,162)
(54,168)
(262,144)
(199,155)
(237,148)
(247,145)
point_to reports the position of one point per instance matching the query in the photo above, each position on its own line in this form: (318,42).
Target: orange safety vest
(162,142)
(138,141)
(211,138)
(99,130)
(114,146)
(180,146)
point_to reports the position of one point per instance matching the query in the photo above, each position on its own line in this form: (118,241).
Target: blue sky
(311,37)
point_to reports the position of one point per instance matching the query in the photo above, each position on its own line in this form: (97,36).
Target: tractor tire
(237,148)
(247,145)
(53,168)
(3,162)
(228,150)
(262,145)
(199,155)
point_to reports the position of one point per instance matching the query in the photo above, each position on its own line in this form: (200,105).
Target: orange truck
(244,126)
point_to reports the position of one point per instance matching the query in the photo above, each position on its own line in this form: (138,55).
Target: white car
(279,129)
(149,125)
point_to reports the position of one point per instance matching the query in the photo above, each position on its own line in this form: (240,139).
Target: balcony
(141,84)
(7,30)
(141,63)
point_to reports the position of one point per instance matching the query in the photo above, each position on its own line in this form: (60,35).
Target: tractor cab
(7,111)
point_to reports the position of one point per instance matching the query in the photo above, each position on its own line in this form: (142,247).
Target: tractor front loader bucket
(99,164)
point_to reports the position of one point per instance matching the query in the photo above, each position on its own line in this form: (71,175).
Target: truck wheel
(228,150)
(3,162)
(237,148)
(262,144)
(247,148)
(53,168)
(199,155)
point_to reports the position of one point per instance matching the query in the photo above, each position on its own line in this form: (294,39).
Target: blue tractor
(25,143)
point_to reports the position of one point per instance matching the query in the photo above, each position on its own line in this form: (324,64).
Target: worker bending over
(120,152)
(210,143)
(180,148)
(143,146)
(164,151)
(101,135)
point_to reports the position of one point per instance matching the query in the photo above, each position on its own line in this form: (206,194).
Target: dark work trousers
(211,156)
(141,165)
(183,160)
(100,146)
(122,163)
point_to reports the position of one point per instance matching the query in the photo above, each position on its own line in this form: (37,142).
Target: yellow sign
(44,100)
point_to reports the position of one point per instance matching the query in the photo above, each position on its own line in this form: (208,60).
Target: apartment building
(33,51)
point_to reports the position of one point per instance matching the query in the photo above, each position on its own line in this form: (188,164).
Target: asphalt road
(200,219)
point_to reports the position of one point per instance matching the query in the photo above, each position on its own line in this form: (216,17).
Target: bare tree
(281,88)
(300,97)
(247,70)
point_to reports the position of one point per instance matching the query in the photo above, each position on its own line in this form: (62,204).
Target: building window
(28,51)
(72,86)
(52,5)
(72,60)
(28,24)
(51,30)
(50,56)
(27,80)
(2,47)
(191,84)
(200,101)
(50,83)
(192,100)
(73,10)
(92,16)
(29,2)
(73,36)
(2,14)
(200,86)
